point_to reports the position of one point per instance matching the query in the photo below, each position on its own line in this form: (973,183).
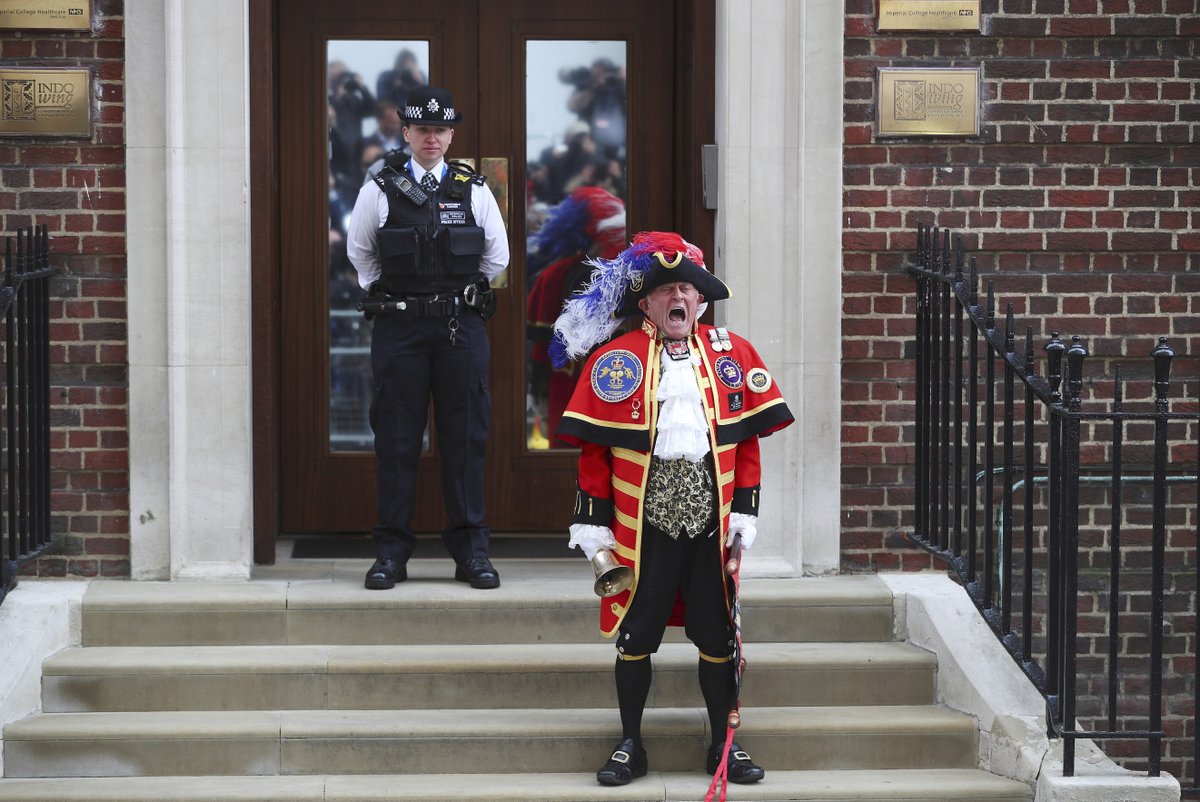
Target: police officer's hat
(430,105)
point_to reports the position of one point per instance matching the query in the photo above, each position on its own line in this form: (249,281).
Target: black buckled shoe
(742,769)
(384,574)
(628,762)
(479,572)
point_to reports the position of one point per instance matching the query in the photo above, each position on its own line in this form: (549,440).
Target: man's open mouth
(678,313)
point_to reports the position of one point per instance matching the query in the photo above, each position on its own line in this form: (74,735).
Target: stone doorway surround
(779,132)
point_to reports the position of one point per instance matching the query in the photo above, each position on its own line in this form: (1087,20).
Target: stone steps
(556,606)
(481,741)
(301,685)
(901,785)
(149,678)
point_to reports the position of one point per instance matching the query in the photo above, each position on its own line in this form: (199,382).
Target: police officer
(425,236)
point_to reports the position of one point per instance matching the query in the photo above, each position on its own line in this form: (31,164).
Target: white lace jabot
(682,428)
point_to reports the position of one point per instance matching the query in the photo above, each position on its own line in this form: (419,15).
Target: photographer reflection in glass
(599,100)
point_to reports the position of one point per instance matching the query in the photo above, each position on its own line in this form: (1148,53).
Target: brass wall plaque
(929,15)
(45,103)
(935,101)
(69,15)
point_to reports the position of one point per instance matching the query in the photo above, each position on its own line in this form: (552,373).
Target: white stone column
(189,288)
(779,132)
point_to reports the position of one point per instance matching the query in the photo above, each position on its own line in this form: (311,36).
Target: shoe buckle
(741,756)
(620,756)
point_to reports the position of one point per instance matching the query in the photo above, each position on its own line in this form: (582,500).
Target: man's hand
(590,539)
(743,526)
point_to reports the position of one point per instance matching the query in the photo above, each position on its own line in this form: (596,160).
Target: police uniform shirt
(371,212)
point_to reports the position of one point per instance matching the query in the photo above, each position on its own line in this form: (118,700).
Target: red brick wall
(77,188)
(1079,198)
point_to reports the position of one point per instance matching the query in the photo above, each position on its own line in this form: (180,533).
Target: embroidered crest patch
(729,372)
(758,380)
(616,376)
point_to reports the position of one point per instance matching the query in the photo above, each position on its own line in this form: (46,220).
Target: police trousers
(413,360)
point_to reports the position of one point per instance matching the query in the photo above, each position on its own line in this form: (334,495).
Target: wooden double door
(554,96)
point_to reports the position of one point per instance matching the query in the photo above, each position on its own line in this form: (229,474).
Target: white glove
(589,539)
(742,524)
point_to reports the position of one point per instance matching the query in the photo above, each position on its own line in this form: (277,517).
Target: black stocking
(717,685)
(633,686)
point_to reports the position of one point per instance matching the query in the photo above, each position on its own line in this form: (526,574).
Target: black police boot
(741,768)
(384,574)
(479,572)
(628,762)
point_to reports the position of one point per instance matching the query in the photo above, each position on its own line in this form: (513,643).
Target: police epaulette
(467,173)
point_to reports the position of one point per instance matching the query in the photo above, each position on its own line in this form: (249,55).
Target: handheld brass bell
(611,576)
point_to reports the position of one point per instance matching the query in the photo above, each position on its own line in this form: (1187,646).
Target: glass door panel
(576,154)
(368,82)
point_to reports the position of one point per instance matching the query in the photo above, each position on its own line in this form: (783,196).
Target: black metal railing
(25,417)
(984,417)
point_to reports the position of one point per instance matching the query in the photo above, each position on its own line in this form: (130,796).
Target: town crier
(668,418)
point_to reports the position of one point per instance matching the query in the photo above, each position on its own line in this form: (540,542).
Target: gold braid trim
(637,457)
(626,488)
(710,659)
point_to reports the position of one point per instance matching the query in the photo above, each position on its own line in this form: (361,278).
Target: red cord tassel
(721,776)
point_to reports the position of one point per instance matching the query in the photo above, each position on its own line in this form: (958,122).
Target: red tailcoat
(612,417)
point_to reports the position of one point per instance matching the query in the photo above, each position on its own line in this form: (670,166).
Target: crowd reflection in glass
(575,193)
(575,210)
(363,126)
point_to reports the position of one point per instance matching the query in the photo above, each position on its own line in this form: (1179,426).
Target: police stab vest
(429,243)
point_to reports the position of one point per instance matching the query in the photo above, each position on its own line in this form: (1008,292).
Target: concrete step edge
(539,722)
(573,589)
(882,785)
(100,661)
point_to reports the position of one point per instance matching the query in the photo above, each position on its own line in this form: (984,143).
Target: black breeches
(687,568)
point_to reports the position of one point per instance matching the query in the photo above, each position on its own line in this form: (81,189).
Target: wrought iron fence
(1001,456)
(25,424)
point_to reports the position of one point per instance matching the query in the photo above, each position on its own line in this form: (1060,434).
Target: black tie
(429,183)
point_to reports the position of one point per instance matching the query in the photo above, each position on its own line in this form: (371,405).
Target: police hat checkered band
(416,113)
(431,105)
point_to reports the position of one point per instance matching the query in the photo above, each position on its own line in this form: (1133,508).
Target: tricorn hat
(671,259)
(617,285)
(430,105)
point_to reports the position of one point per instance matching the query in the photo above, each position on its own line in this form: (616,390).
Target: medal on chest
(718,339)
